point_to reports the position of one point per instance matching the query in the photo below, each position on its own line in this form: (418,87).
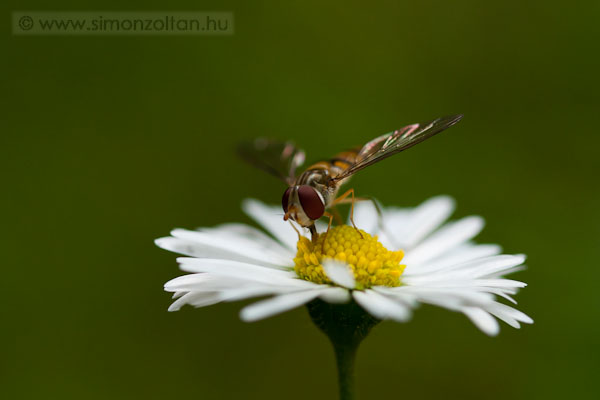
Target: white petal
(229,246)
(423,220)
(365,217)
(446,238)
(277,304)
(235,232)
(460,254)
(409,299)
(482,320)
(393,220)
(336,295)
(249,291)
(478,268)
(242,231)
(509,271)
(450,298)
(196,299)
(319,224)
(237,270)
(464,283)
(200,282)
(504,293)
(340,273)
(502,311)
(229,286)
(380,306)
(271,218)
(177,295)
(200,250)
(506,318)
(488,266)
(475,304)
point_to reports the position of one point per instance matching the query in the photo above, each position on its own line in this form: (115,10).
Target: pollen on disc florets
(372,264)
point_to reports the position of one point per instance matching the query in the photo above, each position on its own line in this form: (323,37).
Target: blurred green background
(109,142)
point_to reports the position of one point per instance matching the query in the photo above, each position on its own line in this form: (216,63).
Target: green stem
(346,325)
(345,355)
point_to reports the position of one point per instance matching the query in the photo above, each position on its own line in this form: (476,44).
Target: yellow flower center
(372,264)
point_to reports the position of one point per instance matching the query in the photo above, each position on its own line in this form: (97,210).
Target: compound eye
(286,199)
(311,202)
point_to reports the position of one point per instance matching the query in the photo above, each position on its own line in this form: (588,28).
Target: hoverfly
(315,190)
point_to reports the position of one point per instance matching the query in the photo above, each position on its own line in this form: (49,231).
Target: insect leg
(297,231)
(313,232)
(380,223)
(326,214)
(336,216)
(341,200)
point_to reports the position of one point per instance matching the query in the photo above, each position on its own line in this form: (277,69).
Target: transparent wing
(280,159)
(397,141)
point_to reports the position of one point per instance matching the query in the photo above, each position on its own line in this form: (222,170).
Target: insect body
(315,190)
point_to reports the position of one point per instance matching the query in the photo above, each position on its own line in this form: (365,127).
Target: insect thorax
(320,179)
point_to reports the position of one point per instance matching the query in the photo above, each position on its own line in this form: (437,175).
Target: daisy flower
(387,272)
